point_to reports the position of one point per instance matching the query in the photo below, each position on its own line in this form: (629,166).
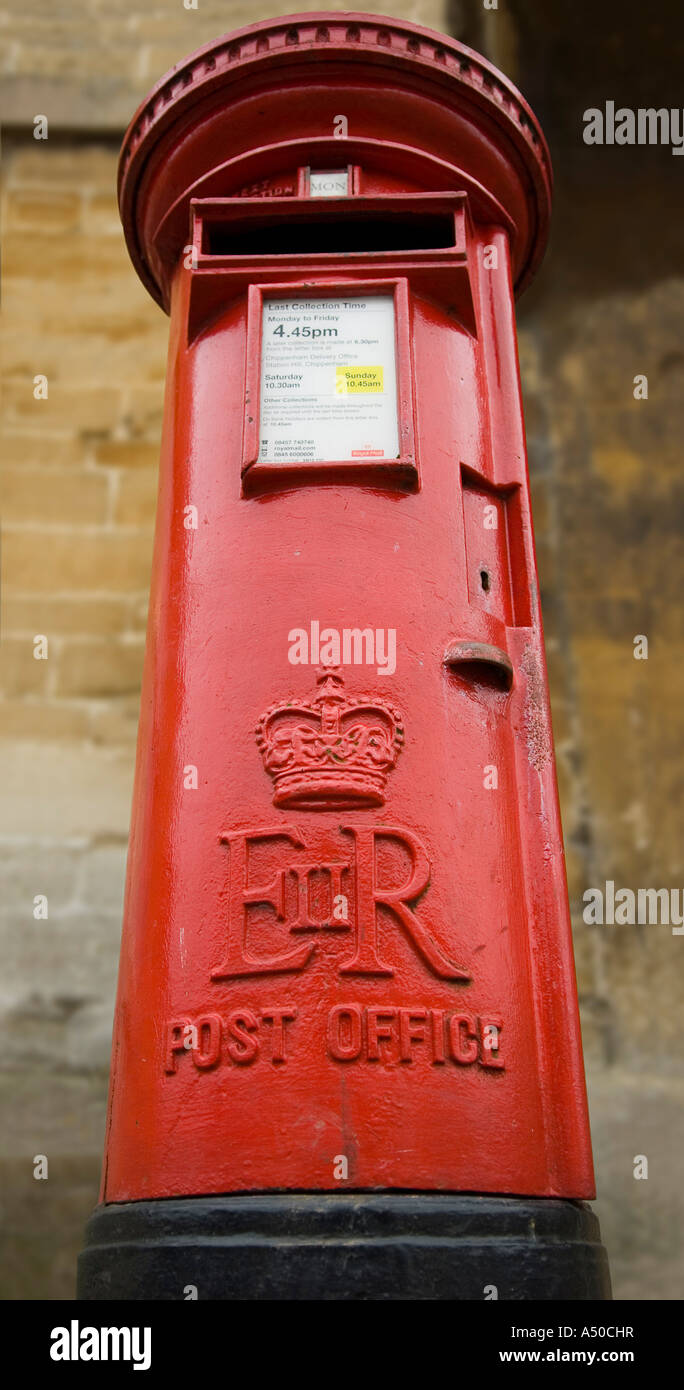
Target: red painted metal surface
(346,957)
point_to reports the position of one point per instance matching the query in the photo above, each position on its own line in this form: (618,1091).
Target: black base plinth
(346,1246)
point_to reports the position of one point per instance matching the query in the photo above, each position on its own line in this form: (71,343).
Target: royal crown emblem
(330,753)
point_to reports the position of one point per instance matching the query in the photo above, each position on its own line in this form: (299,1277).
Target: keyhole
(484,580)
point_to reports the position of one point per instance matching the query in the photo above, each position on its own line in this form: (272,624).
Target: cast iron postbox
(346,1060)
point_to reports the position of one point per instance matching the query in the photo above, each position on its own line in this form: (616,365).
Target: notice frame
(399,473)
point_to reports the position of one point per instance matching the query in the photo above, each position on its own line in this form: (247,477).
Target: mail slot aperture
(320,235)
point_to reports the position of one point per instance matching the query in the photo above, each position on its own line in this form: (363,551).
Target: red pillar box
(347,1020)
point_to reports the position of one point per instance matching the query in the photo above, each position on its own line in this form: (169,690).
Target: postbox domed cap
(271,91)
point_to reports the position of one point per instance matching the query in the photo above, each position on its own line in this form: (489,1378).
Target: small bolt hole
(484,580)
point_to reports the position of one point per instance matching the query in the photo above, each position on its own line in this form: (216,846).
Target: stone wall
(79,498)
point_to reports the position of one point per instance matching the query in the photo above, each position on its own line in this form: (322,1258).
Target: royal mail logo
(288,885)
(333,752)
